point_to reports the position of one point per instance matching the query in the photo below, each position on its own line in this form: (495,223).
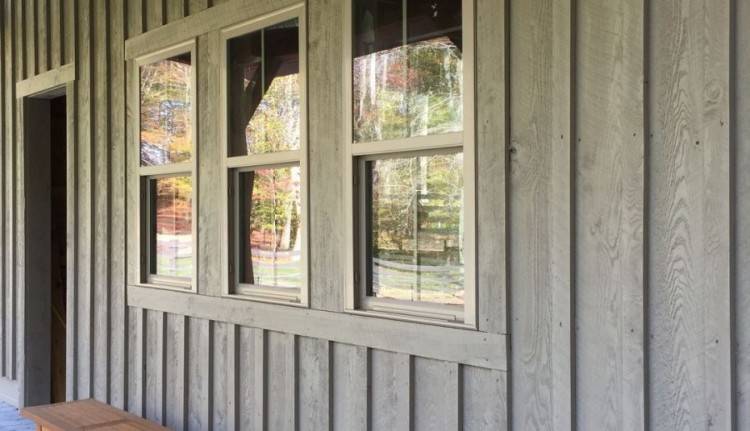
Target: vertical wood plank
(220,375)
(324,70)
(43,33)
(540,213)
(390,391)
(350,387)
(199,374)
(742,220)
(492,134)
(175,10)
(136,361)
(155,340)
(250,381)
(20,72)
(485,401)
(118,239)
(280,395)
(101,214)
(176,372)
(208,153)
(609,200)
(314,384)
(154,14)
(436,393)
(31,40)
(690,384)
(69,30)
(86,156)
(136,18)
(56,37)
(195,6)
(8,139)
(233,384)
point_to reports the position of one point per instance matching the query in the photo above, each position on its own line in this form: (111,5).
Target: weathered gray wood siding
(613,142)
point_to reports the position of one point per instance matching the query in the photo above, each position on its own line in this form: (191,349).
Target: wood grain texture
(86,156)
(485,399)
(199,372)
(221,376)
(117,192)
(136,361)
(281,375)
(43,32)
(390,391)
(327,271)
(209,161)
(689,219)
(491,142)
(349,384)
(8,84)
(742,219)
(609,199)
(101,300)
(436,390)
(449,344)
(155,14)
(56,34)
(540,214)
(156,347)
(251,378)
(176,372)
(313,384)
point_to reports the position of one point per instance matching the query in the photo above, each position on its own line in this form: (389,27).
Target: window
(166,157)
(265,167)
(411,156)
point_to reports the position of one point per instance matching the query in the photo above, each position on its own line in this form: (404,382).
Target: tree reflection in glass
(414,215)
(407,73)
(270,216)
(264,90)
(165,111)
(171,241)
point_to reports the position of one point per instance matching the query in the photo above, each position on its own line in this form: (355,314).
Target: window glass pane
(166,111)
(171,226)
(270,218)
(264,90)
(407,77)
(414,218)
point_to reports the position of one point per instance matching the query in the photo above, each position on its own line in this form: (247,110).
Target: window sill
(267,298)
(404,316)
(187,288)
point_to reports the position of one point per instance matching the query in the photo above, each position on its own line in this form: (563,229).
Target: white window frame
(147,173)
(233,165)
(357,300)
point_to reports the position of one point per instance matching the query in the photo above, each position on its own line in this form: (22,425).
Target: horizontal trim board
(218,17)
(46,81)
(462,346)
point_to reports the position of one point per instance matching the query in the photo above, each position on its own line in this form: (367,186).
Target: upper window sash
(187,48)
(238,161)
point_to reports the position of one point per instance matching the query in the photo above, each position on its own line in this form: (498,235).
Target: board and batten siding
(613,199)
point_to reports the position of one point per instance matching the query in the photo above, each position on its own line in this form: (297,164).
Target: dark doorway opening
(45,218)
(58,255)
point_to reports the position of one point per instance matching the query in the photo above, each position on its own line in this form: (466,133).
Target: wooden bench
(86,415)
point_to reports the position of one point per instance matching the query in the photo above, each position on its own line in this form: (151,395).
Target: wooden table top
(86,415)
